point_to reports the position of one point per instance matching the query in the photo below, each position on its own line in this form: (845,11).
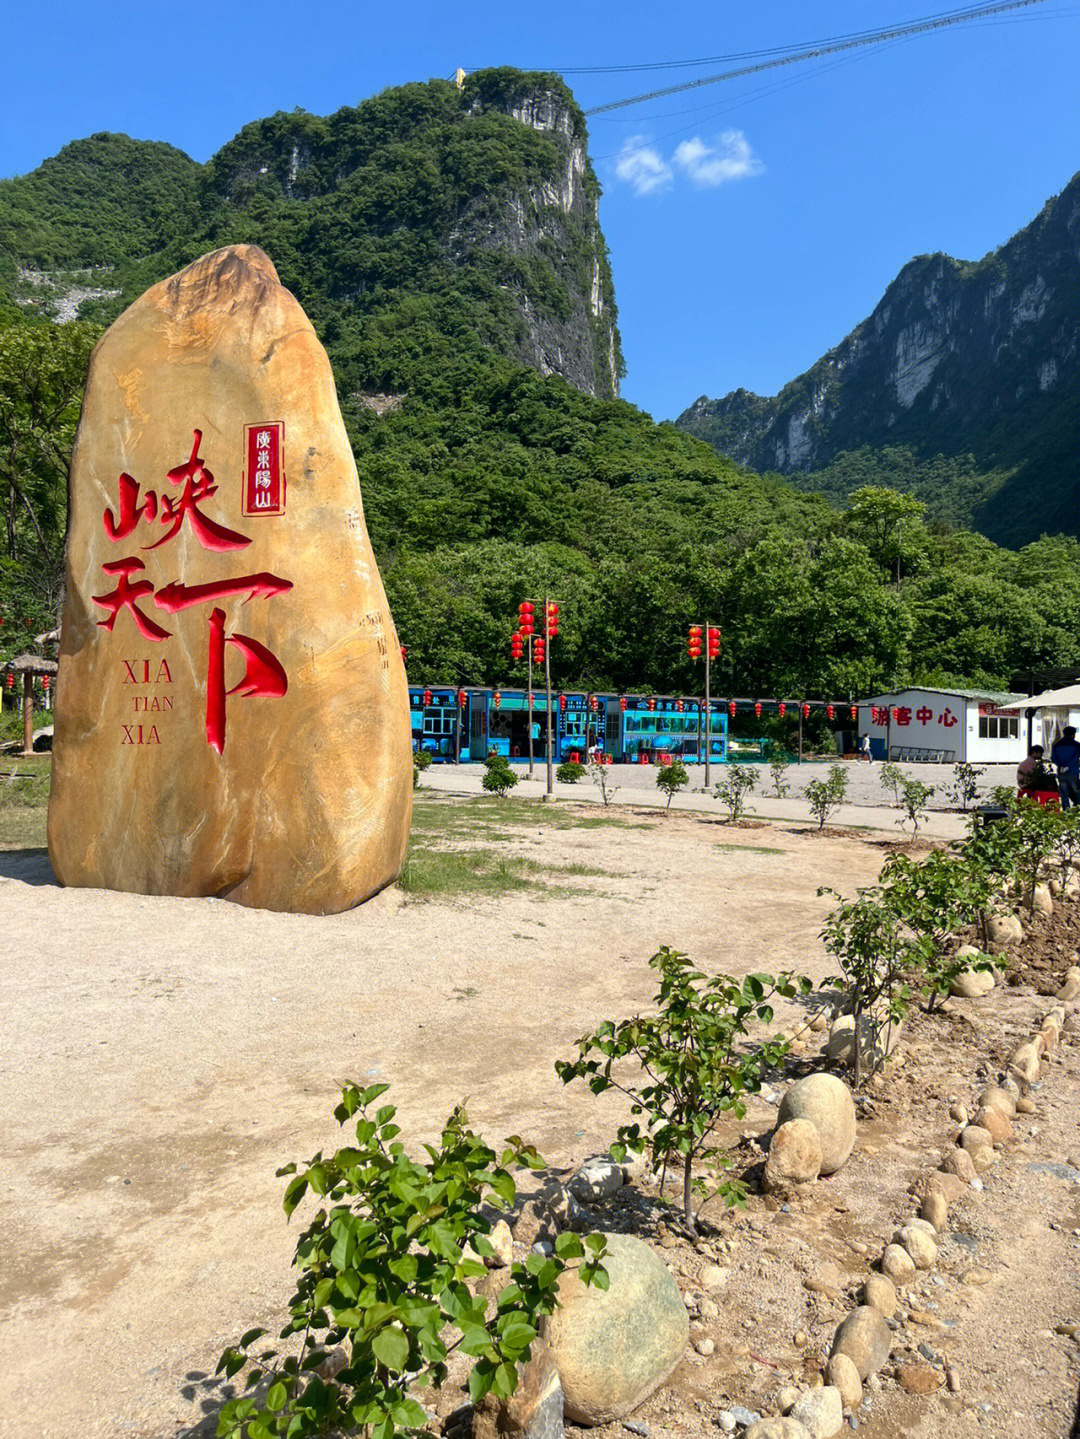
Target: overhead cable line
(877,37)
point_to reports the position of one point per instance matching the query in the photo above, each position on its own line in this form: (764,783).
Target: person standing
(864,749)
(1065,755)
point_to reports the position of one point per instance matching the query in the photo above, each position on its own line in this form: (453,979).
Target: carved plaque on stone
(232,713)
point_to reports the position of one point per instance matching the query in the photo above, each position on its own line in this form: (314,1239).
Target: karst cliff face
(978,358)
(426,209)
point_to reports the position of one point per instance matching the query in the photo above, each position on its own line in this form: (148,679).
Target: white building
(947,725)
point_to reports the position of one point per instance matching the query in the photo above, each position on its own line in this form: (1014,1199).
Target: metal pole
(547,685)
(529,642)
(800,731)
(457,729)
(28,713)
(699,734)
(708,710)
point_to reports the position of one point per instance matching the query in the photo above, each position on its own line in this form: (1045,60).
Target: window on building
(999,727)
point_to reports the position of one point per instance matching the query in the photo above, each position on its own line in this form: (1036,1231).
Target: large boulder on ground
(897,1264)
(827,1103)
(865,1338)
(843,1375)
(794,1157)
(919,1245)
(960,1163)
(232,713)
(613,1347)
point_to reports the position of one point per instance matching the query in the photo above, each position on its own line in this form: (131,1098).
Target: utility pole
(547,685)
(705,637)
(531,710)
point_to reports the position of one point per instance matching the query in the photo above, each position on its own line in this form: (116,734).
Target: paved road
(868,805)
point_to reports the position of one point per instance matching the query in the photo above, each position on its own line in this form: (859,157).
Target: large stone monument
(232,715)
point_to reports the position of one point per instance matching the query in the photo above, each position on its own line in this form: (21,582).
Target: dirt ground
(160,1058)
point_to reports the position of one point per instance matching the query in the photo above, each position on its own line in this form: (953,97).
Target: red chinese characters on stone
(947,718)
(125,596)
(263,673)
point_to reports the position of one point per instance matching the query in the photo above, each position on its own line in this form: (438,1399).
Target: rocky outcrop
(957,358)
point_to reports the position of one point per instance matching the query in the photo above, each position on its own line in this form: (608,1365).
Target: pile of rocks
(814,1135)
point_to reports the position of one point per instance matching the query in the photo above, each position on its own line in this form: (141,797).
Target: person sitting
(1033,774)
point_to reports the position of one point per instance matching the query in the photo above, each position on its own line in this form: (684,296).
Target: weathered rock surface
(919,1245)
(844,1377)
(935,1209)
(897,1265)
(1004,929)
(972,983)
(232,712)
(880,1293)
(598,1178)
(613,1347)
(821,1411)
(533,1411)
(865,1338)
(996,1124)
(878,1037)
(959,1162)
(827,1103)
(784,1427)
(994,1097)
(794,1157)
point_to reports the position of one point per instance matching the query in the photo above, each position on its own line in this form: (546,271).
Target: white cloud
(731,158)
(642,166)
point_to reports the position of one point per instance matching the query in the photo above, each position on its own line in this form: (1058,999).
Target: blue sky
(751,224)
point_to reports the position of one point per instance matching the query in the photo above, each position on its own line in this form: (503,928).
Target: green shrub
(915,797)
(671,778)
(778,767)
(827,795)
(687,1067)
(421,760)
(570,771)
(498,778)
(738,781)
(381,1276)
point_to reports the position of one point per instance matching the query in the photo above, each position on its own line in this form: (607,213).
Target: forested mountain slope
(447,247)
(421,220)
(962,387)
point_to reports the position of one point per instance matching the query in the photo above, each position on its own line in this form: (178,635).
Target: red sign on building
(264,469)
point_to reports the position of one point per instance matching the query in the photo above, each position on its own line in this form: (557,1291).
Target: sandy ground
(160,1058)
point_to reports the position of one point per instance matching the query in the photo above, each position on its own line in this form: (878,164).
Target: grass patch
(444,873)
(452,817)
(752,848)
(24,798)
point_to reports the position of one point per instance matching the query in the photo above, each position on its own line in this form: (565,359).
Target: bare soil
(160,1058)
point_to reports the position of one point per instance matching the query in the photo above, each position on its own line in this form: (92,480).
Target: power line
(877,37)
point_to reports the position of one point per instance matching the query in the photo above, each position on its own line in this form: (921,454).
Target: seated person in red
(1033,773)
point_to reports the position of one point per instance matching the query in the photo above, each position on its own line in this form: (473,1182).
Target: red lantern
(693,642)
(854,712)
(757,708)
(427,698)
(895,713)
(679,706)
(462,698)
(781,709)
(517,645)
(594,704)
(731,708)
(538,650)
(527,625)
(830,710)
(404,651)
(714,642)
(45,683)
(652,704)
(525,608)
(622,702)
(496,699)
(562,703)
(10,680)
(805,710)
